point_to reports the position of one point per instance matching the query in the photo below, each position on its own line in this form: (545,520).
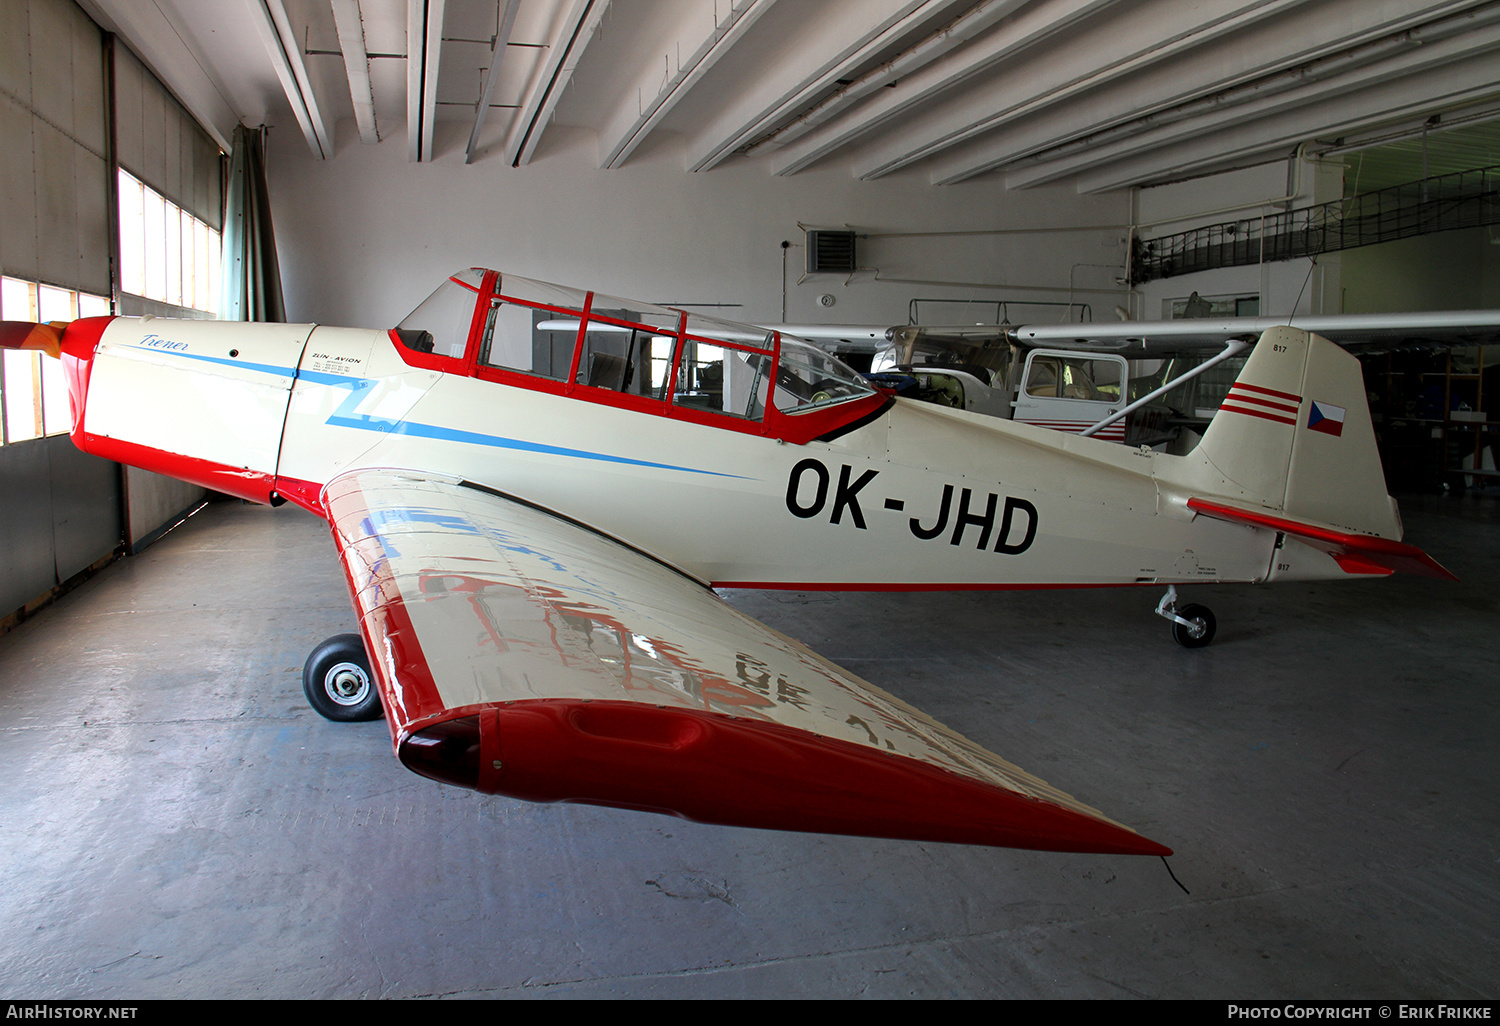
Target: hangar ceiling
(1098,94)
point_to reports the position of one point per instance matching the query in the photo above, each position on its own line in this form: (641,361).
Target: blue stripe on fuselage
(345,416)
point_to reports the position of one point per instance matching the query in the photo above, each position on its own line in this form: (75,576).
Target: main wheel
(1200,633)
(338,682)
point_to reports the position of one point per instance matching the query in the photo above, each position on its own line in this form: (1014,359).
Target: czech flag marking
(1327,418)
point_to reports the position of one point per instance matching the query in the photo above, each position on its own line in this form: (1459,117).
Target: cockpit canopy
(551,338)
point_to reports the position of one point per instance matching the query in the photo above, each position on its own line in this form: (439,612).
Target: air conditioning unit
(830,252)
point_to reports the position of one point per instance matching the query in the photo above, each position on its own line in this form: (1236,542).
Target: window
(440,325)
(533,328)
(166,254)
(1070,377)
(33,390)
(1211,306)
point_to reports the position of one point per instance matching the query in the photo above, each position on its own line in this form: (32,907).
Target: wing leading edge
(522,654)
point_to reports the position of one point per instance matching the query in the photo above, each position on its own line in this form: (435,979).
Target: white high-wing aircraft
(531,523)
(1084,377)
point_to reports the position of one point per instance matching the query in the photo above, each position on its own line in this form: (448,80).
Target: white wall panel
(60,511)
(153,166)
(90,111)
(129,144)
(57,206)
(18,250)
(92,222)
(53,124)
(161,144)
(15,50)
(153,501)
(52,58)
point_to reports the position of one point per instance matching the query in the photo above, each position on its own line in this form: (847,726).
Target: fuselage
(905,496)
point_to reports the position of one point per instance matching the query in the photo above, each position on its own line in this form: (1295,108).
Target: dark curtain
(251,279)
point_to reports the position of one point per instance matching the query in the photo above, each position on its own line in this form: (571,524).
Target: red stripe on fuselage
(1238,396)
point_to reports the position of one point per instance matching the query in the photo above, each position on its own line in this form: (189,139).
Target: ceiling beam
(1027,27)
(950,37)
(275,30)
(630,125)
(1318,40)
(491,75)
(1108,55)
(564,51)
(424,45)
(350,25)
(835,39)
(1242,137)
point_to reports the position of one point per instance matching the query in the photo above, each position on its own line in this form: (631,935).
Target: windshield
(809,378)
(440,324)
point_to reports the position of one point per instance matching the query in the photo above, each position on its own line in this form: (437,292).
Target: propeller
(31,335)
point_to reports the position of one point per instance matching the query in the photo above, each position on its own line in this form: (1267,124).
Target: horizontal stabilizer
(1356,553)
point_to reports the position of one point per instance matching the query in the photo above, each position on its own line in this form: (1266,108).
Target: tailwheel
(1192,626)
(1197,631)
(338,682)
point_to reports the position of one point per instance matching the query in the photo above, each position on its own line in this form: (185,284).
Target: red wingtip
(734,772)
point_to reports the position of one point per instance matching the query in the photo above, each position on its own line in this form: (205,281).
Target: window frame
(47,379)
(797,427)
(185,259)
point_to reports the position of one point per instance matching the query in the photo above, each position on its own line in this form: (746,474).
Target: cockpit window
(721,367)
(628,347)
(532,327)
(440,325)
(808,378)
(1080,377)
(634,355)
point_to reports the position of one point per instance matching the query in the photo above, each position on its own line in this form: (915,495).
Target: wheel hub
(346,684)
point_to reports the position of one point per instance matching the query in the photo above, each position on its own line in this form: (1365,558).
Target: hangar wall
(1284,287)
(1458,270)
(61,511)
(1453,270)
(366,236)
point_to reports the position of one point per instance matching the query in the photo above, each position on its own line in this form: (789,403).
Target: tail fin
(1292,449)
(1294,436)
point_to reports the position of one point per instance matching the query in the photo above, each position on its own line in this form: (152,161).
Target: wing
(523,654)
(1359,333)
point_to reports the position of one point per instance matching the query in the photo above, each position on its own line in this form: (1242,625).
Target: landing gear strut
(338,683)
(1192,625)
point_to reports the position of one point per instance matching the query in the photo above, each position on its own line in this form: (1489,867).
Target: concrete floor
(176,822)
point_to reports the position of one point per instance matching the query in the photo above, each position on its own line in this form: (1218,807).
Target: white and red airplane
(532,521)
